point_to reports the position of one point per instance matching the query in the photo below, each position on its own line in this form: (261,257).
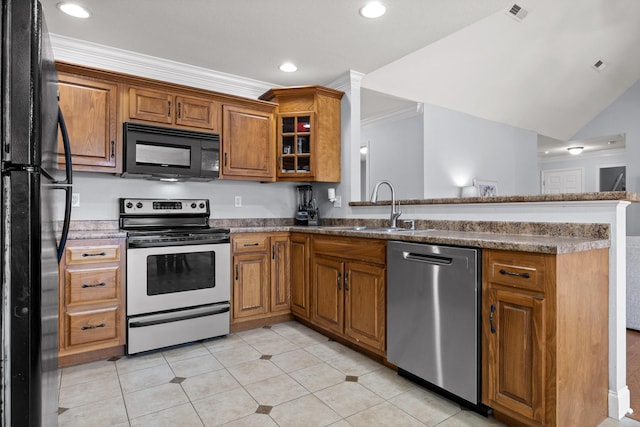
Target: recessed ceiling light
(575,150)
(288,67)
(373,9)
(74,10)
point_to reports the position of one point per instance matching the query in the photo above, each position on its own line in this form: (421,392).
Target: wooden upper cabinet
(247,144)
(308,133)
(150,105)
(89,106)
(171,108)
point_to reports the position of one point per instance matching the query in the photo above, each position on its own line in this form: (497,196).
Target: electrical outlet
(338,202)
(238,201)
(75,200)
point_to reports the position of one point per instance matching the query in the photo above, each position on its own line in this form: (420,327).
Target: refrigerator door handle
(66,184)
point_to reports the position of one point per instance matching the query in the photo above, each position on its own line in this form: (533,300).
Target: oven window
(171,273)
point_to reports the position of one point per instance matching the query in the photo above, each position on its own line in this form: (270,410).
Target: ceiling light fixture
(373,9)
(288,67)
(74,10)
(575,150)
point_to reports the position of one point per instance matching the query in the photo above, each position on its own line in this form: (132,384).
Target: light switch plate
(238,202)
(337,203)
(75,200)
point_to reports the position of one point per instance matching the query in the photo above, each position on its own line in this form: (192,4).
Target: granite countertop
(565,197)
(487,240)
(551,238)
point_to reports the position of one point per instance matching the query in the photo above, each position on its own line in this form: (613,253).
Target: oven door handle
(160,319)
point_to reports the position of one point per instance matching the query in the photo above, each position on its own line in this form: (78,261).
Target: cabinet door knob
(168,108)
(113,149)
(346,281)
(236,271)
(339,281)
(179,110)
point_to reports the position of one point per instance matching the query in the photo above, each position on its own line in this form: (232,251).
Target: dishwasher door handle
(429,259)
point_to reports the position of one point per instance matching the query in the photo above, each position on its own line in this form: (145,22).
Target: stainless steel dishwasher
(433,314)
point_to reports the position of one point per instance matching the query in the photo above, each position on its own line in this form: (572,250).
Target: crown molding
(392,116)
(119,60)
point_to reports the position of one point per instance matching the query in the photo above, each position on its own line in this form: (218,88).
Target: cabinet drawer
(368,250)
(521,270)
(87,285)
(92,326)
(257,243)
(88,254)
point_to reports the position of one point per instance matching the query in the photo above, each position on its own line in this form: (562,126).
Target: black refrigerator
(31,244)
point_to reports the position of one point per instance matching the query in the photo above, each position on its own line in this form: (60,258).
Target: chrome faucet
(395,210)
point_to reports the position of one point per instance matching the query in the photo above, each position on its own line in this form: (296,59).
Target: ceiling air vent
(599,65)
(517,12)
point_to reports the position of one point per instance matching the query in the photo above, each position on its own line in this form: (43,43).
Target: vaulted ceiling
(465,55)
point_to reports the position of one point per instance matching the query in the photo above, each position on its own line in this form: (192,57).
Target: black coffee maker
(307,213)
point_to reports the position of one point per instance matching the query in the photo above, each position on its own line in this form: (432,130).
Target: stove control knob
(202,205)
(193,205)
(139,205)
(129,205)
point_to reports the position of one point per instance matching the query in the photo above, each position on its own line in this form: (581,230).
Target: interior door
(557,181)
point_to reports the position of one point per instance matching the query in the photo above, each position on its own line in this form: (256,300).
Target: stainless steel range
(178,273)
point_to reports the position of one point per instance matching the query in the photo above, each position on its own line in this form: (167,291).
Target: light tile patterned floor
(283,375)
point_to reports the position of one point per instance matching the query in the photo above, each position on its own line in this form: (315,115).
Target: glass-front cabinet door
(296,145)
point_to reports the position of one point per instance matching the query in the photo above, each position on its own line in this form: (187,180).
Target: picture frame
(486,188)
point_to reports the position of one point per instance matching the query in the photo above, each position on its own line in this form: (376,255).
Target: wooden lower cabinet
(544,346)
(348,289)
(300,302)
(91,308)
(261,276)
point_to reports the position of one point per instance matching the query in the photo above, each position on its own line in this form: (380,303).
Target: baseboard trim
(619,403)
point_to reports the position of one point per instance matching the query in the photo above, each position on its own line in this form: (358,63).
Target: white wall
(590,164)
(460,147)
(99,195)
(396,152)
(623,117)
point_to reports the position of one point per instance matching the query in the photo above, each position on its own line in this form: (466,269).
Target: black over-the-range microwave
(155,152)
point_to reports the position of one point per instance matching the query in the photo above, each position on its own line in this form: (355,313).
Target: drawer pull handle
(493,310)
(246,245)
(168,108)
(96,254)
(513,273)
(96,285)
(85,328)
